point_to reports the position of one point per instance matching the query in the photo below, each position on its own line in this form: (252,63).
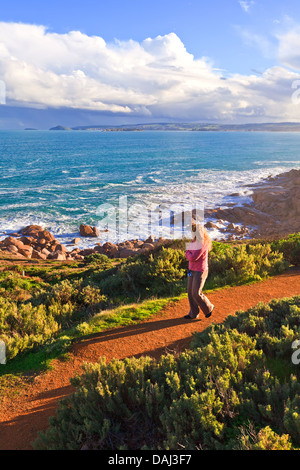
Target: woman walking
(197,255)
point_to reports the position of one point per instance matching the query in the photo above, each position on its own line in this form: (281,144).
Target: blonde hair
(202,235)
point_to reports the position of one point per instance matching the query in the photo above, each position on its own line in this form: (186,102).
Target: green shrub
(99,260)
(204,398)
(274,326)
(25,325)
(243,263)
(159,274)
(265,439)
(142,403)
(291,418)
(290,248)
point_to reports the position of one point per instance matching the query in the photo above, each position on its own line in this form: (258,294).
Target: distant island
(60,128)
(264,127)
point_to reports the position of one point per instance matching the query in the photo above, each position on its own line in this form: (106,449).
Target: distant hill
(265,127)
(60,128)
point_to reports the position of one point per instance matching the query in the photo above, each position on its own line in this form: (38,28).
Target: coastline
(274,212)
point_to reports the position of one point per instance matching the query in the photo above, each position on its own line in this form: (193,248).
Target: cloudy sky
(99,62)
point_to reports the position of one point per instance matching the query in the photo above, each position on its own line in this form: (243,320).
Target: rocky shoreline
(36,243)
(273,212)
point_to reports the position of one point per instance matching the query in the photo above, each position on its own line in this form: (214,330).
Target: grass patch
(41,359)
(281,369)
(12,385)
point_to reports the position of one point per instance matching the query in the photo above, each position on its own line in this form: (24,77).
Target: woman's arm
(194,255)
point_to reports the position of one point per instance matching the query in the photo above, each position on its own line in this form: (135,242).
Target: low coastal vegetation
(236,387)
(48,305)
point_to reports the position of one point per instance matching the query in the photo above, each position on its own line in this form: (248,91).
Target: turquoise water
(59,179)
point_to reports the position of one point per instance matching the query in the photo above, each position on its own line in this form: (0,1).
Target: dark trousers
(196,297)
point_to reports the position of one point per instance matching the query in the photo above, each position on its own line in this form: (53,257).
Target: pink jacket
(197,257)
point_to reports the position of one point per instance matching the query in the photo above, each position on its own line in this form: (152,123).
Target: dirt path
(23,417)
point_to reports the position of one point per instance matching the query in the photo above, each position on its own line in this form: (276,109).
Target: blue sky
(207,28)
(232,38)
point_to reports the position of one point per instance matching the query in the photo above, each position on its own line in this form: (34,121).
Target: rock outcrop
(88,231)
(33,242)
(274,212)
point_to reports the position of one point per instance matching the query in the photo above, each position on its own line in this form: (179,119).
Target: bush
(290,248)
(159,274)
(266,439)
(99,260)
(274,326)
(230,265)
(164,272)
(25,325)
(203,399)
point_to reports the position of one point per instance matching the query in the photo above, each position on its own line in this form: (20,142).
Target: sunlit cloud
(154,77)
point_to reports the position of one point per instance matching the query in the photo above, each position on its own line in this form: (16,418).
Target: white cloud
(266,45)
(156,77)
(289,48)
(246,5)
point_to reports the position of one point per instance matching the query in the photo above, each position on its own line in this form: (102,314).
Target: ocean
(60,179)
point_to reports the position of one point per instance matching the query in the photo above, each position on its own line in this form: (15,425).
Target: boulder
(128,252)
(11,249)
(109,249)
(148,246)
(151,239)
(88,231)
(78,257)
(38,255)
(36,232)
(46,235)
(12,241)
(211,225)
(61,248)
(87,252)
(31,230)
(46,252)
(161,241)
(138,243)
(26,251)
(51,248)
(41,242)
(58,256)
(27,240)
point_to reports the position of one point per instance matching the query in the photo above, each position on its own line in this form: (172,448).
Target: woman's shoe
(210,313)
(187,317)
